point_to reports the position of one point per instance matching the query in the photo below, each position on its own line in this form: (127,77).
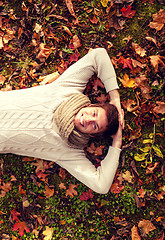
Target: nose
(90,119)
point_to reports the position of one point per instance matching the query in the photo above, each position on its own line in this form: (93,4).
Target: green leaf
(158,151)
(104,202)
(145,149)
(140,157)
(147,141)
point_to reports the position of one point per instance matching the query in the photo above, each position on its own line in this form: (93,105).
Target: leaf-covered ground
(39,200)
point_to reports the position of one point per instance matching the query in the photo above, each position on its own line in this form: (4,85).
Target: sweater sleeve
(100,179)
(96,61)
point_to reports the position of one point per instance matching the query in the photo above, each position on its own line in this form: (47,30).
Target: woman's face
(91,120)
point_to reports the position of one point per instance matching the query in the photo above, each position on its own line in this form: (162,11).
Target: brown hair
(112,117)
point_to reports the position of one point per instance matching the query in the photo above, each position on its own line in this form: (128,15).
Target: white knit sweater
(26,126)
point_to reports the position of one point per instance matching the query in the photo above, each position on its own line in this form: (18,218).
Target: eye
(94,126)
(94,114)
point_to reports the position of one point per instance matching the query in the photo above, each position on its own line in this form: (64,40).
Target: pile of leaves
(40,200)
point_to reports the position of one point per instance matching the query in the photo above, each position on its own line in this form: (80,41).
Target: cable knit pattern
(26,121)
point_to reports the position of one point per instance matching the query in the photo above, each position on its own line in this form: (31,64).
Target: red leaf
(126,62)
(86,195)
(116,187)
(94,20)
(22,226)
(127,12)
(14,214)
(74,57)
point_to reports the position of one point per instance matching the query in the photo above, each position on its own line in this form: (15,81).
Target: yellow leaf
(127,176)
(48,233)
(127,82)
(140,157)
(104,3)
(158,152)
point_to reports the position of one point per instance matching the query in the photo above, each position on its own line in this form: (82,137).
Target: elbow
(102,190)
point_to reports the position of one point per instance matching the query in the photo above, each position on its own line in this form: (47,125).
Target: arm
(100,179)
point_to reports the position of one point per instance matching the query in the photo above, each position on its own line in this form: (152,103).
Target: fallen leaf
(76,42)
(41,165)
(14,214)
(127,82)
(45,51)
(150,169)
(104,3)
(152,40)
(74,57)
(135,234)
(127,12)
(158,20)
(1,43)
(136,63)
(21,190)
(62,185)
(146,225)
(48,191)
(116,187)
(160,108)
(86,195)
(155,61)
(2,79)
(62,173)
(140,51)
(131,105)
(94,20)
(22,226)
(142,192)
(71,191)
(127,62)
(6,186)
(48,233)
(70,8)
(142,83)
(127,176)
(97,83)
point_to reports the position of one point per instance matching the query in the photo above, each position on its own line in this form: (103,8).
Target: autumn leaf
(155,61)
(14,214)
(74,57)
(116,187)
(142,83)
(21,190)
(48,191)
(94,20)
(127,176)
(151,168)
(135,234)
(86,195)
(127,82)
(6,187)
(71,191)
(97,83)
(76,42)
(136,63)
(140,51)
(42,176)
(126,62)
(146,225)
(127,12)
(41,165)
(70,8)
(142,192)
(62,185)
(2,79)
(45,51)
(62,173)
(22,226)
(131,105)
(104,3)
(158,20)
(48,233)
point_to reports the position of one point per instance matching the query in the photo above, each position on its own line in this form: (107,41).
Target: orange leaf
(142,192)
(140,51)
(62,185)
(45,51)
(71,191)
(62,173)
(41,165)
(70,7)
(21,190)
(2,79)
(94,20)
(6,187)
(127,82)
(156,60)
(146,225)
(158,20)
(116,187)
(48,191)
(135,234)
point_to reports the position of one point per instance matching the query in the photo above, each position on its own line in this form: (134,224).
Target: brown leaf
(160,108)
(21,190)
(41,165)
(155,61)
(140,51)
(2,79)
(130,105)
(48,191)
(127,176)
(45,51)
(70,8)
(116,187)
(71,191)
(142,83)
(158,20)
(76,42)
(135,234)
(62,173)
(136,63)
(6,187)
(62,185)
(150,169)
(146,225)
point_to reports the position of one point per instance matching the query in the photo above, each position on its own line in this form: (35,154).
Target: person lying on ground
(54,121)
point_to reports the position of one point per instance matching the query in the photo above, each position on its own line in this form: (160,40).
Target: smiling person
(55,121)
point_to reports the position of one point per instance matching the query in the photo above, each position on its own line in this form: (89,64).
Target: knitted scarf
(64,118)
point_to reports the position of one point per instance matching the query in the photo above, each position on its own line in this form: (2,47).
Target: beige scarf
(64,117)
